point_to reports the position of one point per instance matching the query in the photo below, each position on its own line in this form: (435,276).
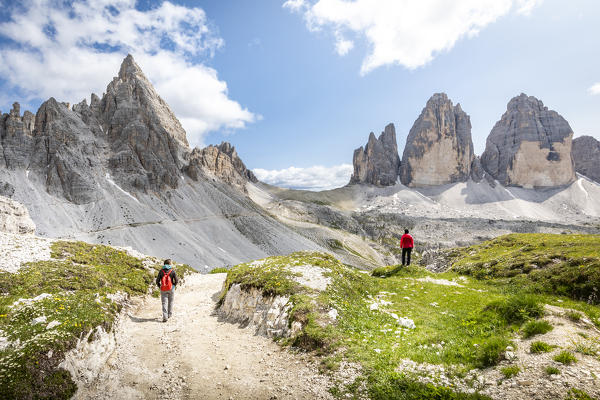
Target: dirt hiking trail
(196,356)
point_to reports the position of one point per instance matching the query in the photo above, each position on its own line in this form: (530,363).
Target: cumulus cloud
(311,178)
(594,89)
(69,49)
(404,32)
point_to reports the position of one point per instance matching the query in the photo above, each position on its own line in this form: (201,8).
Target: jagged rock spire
(378,162)
(439,148)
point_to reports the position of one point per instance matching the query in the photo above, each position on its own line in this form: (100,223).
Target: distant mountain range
(120,171)
(530,146)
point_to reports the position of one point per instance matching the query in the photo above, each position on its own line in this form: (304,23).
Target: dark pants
(406,255)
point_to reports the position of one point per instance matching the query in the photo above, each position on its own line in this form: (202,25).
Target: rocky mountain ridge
(120,171)
(530,146)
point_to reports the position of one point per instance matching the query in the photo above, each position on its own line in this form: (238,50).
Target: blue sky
(297,88)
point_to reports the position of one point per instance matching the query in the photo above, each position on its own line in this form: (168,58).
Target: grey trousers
(166,299)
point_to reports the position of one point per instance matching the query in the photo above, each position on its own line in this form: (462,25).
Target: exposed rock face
(14,217)
(530,146)
(146,138)
(221,161)
(439,148)
(131,130)
(586,155)
(378,162)
(114,171)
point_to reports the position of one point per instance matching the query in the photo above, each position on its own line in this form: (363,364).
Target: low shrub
(533,328)
(573,315)
(218,270)
(576,394)
(517,309)
(565,357)
(491,352)
(540,347)
(552,370)
(510,371)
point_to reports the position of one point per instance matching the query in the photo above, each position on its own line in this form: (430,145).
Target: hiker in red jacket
(166,281)
(406,244)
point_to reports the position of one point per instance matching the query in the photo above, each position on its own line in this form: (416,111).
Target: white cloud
(404,32)
(342,45)
(295,5)
(70,51)
(594,89)
(312,178)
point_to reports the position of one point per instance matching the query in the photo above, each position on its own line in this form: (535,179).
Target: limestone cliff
(586,155)
(221,161)
(530,146)
(378,162)
(439,148)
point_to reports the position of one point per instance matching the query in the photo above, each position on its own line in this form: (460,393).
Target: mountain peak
(129,68)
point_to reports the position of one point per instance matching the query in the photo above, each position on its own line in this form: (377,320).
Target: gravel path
(197,356)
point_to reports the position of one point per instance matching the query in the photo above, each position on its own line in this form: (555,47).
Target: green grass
(576,394)
(573,315)
(510,371)
(78,283)
(552,370)
(517,309)
(458,327)
(540,347)
(533,328)
(565,357)
(218,270)
(587,349)
(567,265)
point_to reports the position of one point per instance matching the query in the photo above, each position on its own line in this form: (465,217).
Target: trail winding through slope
(197,356)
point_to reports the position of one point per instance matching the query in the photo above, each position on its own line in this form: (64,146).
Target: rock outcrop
(378,162)
(586,155)
(530,146)
(221,161)
(439,148)
(14,217)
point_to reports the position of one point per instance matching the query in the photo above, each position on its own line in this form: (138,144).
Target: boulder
(586,155)
(530,146)
(378,162)
(14,217)
(439,148)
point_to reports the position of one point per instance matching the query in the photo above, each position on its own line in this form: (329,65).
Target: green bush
(510,371)
(491,352)
(540,347)
(517,309)
(399,387)
(565,357)
(218,270)
(573,315)
(576,394)
(552,370)
(533,328)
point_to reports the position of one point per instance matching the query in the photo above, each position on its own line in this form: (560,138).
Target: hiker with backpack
(407,244)
(166,281)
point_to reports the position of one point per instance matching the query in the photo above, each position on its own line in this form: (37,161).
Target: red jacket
(406,241)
